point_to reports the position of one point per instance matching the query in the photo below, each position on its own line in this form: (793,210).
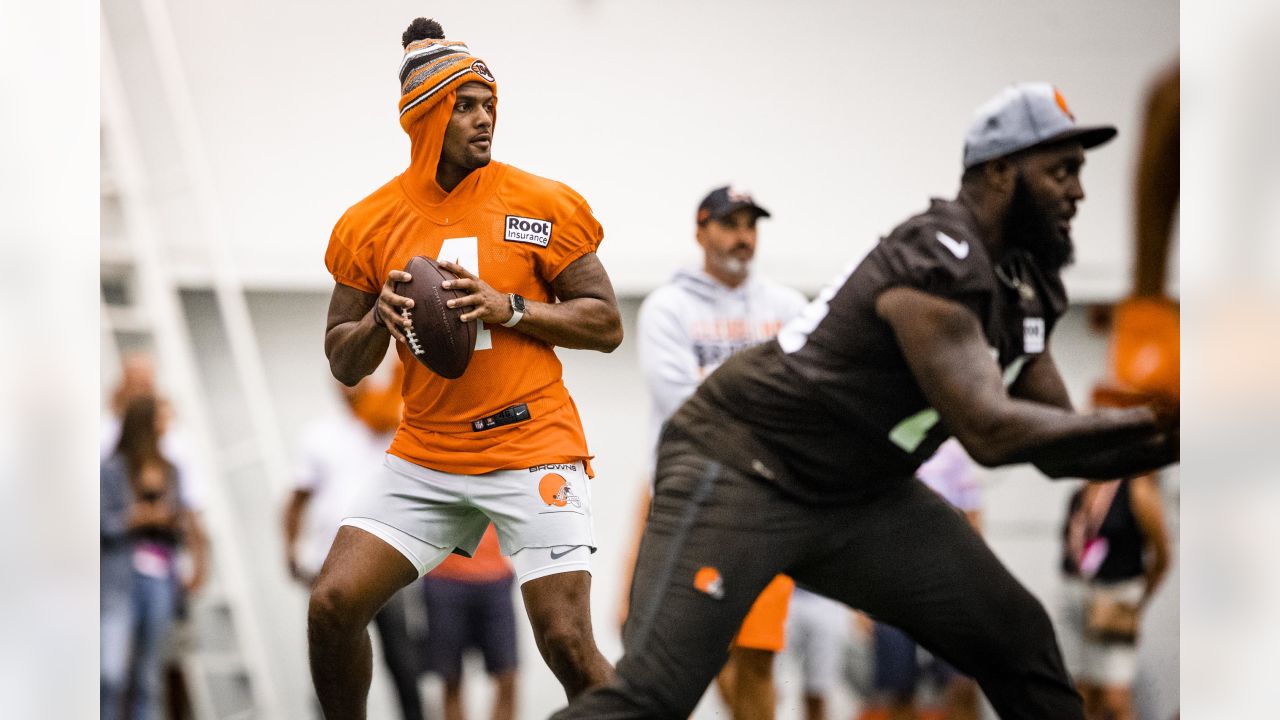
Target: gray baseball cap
(1023,116)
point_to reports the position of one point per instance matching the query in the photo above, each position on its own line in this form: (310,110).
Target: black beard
(1029,226)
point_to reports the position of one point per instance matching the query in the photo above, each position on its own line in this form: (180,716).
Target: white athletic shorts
(542,514)
(1105,663)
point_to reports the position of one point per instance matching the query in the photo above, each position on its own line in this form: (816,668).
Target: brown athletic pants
(715,537)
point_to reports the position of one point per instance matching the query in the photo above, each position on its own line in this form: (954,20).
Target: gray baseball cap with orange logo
(1023,116)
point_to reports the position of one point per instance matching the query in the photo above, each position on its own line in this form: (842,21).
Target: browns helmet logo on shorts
(555,491)
(708,580)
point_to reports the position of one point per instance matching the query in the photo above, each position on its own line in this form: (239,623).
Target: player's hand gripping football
(386,311)
(487,305)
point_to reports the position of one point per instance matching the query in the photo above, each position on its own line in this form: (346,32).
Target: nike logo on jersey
(557,555)
(958,248)
(528,230)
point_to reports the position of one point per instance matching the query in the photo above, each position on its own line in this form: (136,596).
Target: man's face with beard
(1046,190)
(729,244)
(469,136)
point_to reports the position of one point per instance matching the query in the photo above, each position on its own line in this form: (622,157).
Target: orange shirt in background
(486,565)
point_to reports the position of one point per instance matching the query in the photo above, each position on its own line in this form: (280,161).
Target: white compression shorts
(425,514)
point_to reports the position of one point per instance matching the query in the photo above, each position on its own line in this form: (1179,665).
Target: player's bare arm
(1148,510)
(1040,381)
(359,326)
(585,318)
(947,352)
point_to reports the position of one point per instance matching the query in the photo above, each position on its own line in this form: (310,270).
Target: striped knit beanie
(434,67)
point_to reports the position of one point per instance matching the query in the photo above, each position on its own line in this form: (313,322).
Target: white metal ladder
(233,672)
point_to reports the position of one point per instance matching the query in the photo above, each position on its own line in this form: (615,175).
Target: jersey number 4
(465,251)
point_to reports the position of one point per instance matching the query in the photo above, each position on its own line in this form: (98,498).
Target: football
(438,338)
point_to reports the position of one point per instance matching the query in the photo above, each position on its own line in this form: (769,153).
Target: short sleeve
(940,262)
(308,469)
(571,238)
(950,473)
(350,256)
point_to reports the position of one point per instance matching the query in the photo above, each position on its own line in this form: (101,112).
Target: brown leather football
(438,338)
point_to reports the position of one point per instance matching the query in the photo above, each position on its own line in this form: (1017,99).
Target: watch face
(517,302)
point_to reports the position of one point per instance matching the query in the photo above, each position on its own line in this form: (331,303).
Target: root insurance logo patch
(528,230)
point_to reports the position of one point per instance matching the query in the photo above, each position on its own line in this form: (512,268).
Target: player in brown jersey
(798,455)
(502,443)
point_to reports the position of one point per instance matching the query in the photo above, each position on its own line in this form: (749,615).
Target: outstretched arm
(947,352)
(586,317)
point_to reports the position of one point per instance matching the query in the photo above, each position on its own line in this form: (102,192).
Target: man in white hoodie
(687,328)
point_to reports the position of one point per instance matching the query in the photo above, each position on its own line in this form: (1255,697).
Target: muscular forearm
(1097,446)
(582,323)
(356,348)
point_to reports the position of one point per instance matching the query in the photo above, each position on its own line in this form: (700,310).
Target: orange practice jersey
(517,232)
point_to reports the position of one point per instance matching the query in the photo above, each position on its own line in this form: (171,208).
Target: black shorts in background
(469,615)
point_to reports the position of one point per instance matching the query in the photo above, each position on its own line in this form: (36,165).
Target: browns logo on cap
(1023,116)
(1062,103)
(724,201)
(433,67)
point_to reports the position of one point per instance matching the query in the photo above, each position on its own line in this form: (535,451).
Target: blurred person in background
(798,455)
(138,378)
(817,639)
(687,328)
(1116,549)
(144,526)
(469,607)
(501,444)
(338,455)
(1115,554)
(900,663)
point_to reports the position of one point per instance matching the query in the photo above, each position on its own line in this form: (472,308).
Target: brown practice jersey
(830,409)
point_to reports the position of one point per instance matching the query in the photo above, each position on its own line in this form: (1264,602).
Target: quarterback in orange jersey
(484,447)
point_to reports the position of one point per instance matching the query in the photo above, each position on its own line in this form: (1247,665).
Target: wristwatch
(517,310)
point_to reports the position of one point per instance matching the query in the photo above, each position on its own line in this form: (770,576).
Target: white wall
(842,116)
